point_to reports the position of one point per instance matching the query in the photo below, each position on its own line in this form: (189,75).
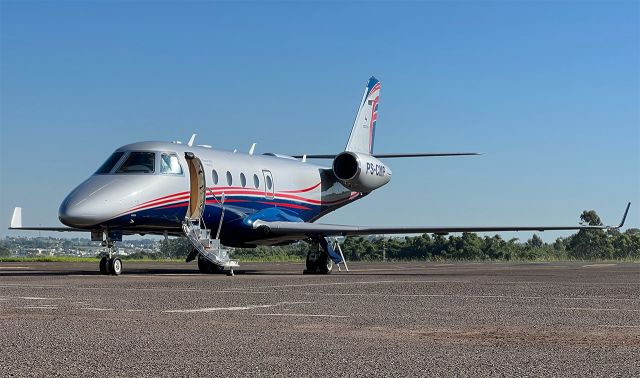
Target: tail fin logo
(373,100)
(363,132)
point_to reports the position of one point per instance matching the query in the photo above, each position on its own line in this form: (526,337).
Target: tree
(633,250)
(471,246)
(625,244)
(395,249)
(535,242)
(591,218)
(355,248)
(590,244)
(4,251)
(560,245)
(494,247)
(439,246)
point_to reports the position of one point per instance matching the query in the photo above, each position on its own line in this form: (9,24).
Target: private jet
(220,199)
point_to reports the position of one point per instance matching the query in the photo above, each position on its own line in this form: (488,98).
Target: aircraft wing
(59,229)
(16,224)
(307,229)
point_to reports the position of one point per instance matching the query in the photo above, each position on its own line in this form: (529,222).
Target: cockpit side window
(169,164)
(110,163)
(138,162)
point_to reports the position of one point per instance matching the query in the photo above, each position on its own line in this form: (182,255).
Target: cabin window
(269,182)
(110,163)
(214,176)
(229,178)
(243,180)
(139,162)
(169,164)
(256,181)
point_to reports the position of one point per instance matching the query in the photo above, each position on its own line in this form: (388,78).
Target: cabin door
(197,187)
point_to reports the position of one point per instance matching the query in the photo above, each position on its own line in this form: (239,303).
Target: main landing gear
(109,264)
(320,260)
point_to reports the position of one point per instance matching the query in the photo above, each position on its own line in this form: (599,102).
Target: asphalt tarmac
(409,319)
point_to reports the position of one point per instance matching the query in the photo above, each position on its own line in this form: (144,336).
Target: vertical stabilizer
(364,127)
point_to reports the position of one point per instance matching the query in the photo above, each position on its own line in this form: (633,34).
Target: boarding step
(210,249)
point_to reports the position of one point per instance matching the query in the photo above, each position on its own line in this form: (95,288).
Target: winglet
(16,219)
(624,217)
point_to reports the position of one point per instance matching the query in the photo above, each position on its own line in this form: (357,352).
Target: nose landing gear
(109,264)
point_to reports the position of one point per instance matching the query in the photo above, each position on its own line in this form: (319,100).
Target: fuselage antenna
(193,139)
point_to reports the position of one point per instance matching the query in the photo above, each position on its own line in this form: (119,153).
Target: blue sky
(548,91)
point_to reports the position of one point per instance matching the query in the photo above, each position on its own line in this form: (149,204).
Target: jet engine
(360,172)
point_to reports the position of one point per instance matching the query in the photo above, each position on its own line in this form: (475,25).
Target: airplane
(221,199)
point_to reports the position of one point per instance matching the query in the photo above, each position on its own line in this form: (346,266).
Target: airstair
(194,227)
(210,249)
(336,247)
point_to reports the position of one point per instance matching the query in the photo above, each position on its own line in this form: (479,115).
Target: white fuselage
(133,196)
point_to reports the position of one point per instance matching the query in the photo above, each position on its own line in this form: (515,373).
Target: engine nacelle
(360,172)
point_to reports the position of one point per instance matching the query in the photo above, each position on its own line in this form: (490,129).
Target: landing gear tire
(207,267)
(318,262)
(325,265)
(115,266)
(203,265)
(104,265)
(311,263)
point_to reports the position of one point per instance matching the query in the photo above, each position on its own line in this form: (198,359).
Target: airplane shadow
(239,272)
(191,270)
(150,272)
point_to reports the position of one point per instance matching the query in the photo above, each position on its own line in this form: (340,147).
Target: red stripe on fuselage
(158,202)
(217,192)
(302,190)
(161,198)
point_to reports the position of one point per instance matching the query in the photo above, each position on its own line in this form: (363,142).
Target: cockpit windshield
(138,162)
(110,163)
(169,164)
(141,162)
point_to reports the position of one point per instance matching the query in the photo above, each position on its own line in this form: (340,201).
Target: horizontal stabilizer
(400,155)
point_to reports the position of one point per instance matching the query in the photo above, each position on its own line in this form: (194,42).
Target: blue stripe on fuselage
(238,210)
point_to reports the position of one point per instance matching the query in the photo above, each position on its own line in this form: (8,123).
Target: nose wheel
(108,263)
(111,265)
(104,265)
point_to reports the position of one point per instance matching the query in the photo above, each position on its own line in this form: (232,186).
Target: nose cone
(74,213)
(87,205)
